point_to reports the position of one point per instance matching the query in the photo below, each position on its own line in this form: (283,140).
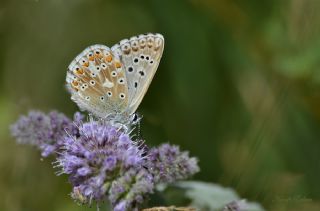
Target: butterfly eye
(134,45)
(150,41)
(121,81)
(126,48)
(113,73)
(122,96)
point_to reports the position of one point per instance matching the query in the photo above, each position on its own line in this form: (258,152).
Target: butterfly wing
(97,82)
(140,57)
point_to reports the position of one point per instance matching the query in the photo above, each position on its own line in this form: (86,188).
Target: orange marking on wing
(117,64)
(108,58)
(79,71)
(91,58)
(99,55)
(76,89)
(86,64)
(75,83)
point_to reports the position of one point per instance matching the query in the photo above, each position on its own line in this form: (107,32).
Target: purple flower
(167,164)
(134,185)
(102,161)
(45,131)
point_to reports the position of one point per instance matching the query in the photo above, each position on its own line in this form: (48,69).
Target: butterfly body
(111,82)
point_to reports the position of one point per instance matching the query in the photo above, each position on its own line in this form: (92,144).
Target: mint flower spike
(104,163)
(168,164)
(45,131)
(102,160)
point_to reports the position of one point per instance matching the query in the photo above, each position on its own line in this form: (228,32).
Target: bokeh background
(238,86)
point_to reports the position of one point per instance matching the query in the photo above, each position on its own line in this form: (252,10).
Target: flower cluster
(168,164)
(102,161)
(45,131)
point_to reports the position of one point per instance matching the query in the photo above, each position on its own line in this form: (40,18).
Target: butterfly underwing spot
(130,69)
(109,93)
(135,60)
(151,62)
(97,54)
(102,98)
(134,44)
(118,65)
(126,48)
(121,81)
(114,73)
(108,58)
(142,42)
(84,62)
(87,98)
(103,66)
(141,56)
(142,73)
(122,96)
(84,87)
(92,82)
(150,41)
(77,70)
(157,43)
(75,83)
(135,84)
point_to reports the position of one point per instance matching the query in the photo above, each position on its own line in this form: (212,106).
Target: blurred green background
(238,86)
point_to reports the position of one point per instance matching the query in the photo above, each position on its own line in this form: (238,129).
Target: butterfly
(111,82)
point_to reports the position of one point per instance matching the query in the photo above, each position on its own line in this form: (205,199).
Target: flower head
(103,161)
(167,164)
(46,131)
